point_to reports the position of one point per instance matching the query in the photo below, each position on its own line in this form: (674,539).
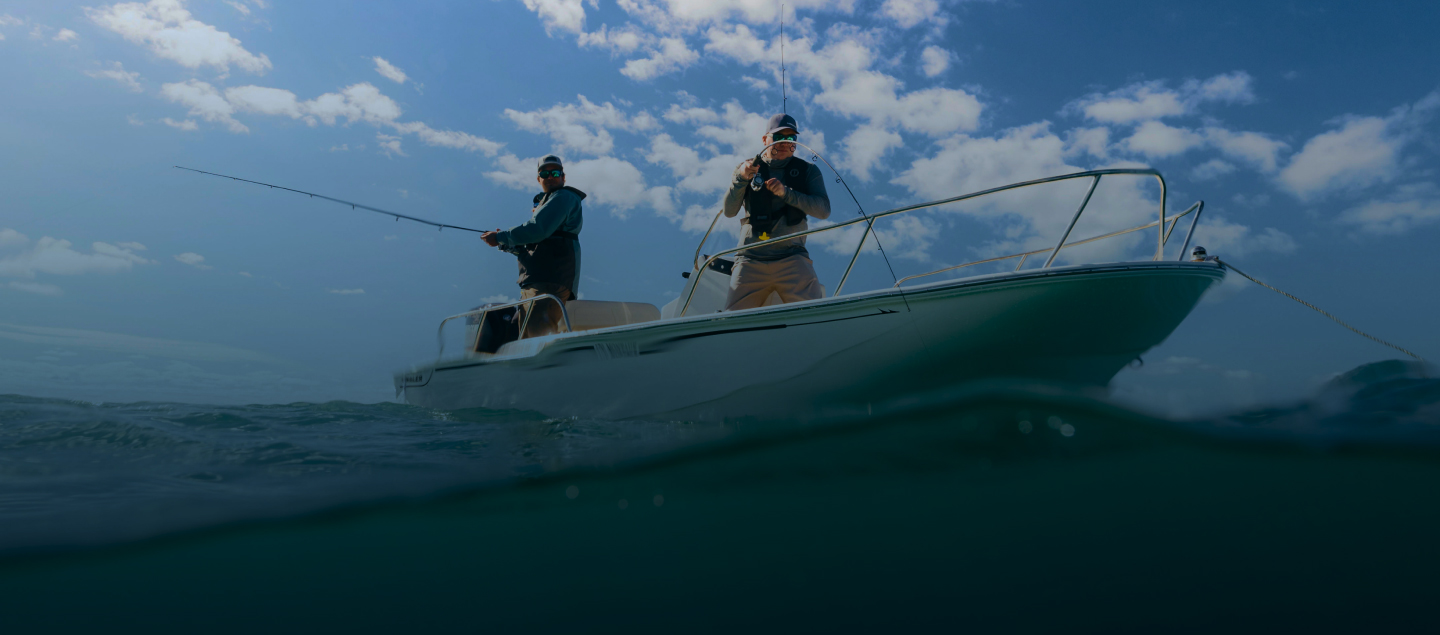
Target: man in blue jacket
(547,246)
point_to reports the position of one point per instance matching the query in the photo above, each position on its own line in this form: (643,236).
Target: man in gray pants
(790,190)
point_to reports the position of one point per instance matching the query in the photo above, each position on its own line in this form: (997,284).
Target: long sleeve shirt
(816,204)
(558,210)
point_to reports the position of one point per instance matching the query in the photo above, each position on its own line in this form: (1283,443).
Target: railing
(1198,207)
(869,221)
(440,332)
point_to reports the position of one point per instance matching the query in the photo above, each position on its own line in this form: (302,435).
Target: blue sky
(1308,128)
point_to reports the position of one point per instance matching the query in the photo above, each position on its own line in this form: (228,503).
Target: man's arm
(736,195)
(817,202)
(544,222)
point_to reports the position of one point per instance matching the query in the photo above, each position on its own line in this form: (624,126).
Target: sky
(1309,130)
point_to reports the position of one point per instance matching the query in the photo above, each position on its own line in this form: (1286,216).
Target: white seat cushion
(594,314)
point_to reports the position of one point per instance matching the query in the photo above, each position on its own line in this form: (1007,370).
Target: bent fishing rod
(352,205)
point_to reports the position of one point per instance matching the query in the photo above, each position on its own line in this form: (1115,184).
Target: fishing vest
(760,211)
(553,260)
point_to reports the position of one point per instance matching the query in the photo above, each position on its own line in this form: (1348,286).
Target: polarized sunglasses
(777,138)
(551,174)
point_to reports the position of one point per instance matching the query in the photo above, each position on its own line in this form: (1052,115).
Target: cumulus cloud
(866,146)
(130,80)
(204,102)
(1221,236)
(389,71)
(669,55)
(169,31)
(361,102)
(54,256)
(908,13)
(187,125)
(934,60)
(389,144)
(10,237)
(1157,140)
(1409,206)
(1363,151)
(559,15)
(1144,101)
(66,35)
(582,127)
(193,259)
(1211,169)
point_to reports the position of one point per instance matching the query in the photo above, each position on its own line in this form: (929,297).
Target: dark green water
(1007,510)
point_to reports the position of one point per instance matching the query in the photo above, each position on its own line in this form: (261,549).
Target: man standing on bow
(547,246)
(778,192)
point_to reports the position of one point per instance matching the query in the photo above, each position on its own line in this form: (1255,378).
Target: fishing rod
(352,205)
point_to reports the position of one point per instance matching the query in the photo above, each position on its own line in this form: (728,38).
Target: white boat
(1076,325)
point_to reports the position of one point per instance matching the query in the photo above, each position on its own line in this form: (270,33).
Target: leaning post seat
(594,314)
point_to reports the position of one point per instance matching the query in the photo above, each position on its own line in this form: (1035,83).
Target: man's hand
(776,187)
(751,170)
(490,239)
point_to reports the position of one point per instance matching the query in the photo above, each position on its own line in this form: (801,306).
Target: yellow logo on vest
(764,236)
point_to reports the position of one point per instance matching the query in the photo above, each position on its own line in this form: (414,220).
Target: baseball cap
(781,122)
(549,159)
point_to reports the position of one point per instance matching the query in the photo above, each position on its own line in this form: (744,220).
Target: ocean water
(1006,509)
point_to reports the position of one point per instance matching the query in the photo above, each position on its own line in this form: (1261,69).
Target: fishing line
(352,205)
(1318,310)
(784,98)
(869,222)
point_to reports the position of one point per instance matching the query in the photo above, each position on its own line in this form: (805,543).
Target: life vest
(760,211)
(554,260)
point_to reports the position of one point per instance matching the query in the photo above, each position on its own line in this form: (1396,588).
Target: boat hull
(1070,325)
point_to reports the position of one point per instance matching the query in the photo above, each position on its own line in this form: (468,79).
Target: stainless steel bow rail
(529,311)
(1162,236)
(397,215)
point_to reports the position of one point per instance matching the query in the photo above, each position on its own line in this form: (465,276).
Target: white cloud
(193,259)
(498,298)
(1254,148)
(389,144)
(10,20)
(205,102)
(934,60)
(1211,169)
(1363,151)
(56,257)
(133,120)
(755,83)
(581,127)
(1092,141)
(265,101)
(866,146)
(169,30)
(1224,238)
(1410,206)
(244,10)
(1145,101)
(563,15)
(66,35)
(389,71)
(131,246)
(10,237)
(37,288)
(1157,140)
(361,102)
(670,55)
(908,13)
(246,274)
(347,291)
(187,125)
(117,72)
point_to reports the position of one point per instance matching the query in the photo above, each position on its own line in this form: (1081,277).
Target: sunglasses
(551,174)
(777,138)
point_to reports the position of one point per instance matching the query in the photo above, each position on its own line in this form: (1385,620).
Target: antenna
(784,98)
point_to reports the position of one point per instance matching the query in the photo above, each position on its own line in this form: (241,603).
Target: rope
(1319,310)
